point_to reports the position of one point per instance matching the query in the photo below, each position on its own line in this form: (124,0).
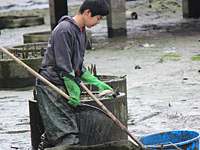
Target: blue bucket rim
(173,144)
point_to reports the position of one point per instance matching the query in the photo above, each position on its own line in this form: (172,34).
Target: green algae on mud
(195,58)
(171,55)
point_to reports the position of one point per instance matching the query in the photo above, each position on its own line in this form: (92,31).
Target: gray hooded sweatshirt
(66,49)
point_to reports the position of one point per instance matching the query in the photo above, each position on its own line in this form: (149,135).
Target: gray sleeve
(63,48)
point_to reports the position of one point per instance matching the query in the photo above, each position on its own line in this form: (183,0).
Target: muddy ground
(160,58)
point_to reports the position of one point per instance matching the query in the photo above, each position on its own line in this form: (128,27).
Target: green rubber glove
(73,90)
(90,79)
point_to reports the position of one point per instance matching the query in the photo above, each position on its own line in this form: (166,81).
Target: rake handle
(112,116)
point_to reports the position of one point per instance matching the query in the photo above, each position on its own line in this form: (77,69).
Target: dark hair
(96,7)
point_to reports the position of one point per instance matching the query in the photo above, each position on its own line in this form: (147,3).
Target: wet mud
(163,80)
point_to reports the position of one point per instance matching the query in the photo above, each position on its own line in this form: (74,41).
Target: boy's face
(92,21)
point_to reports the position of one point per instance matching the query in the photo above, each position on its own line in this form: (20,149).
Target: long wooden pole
(112,116)
(34,73)
(67,97)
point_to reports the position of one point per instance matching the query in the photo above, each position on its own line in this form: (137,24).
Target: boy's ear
(86,12)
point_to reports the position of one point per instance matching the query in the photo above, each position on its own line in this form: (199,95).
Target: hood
(69,19)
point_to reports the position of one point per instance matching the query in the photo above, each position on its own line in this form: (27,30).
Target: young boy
(62,65)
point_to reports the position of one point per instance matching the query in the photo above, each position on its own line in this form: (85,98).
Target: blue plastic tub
(185,140)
